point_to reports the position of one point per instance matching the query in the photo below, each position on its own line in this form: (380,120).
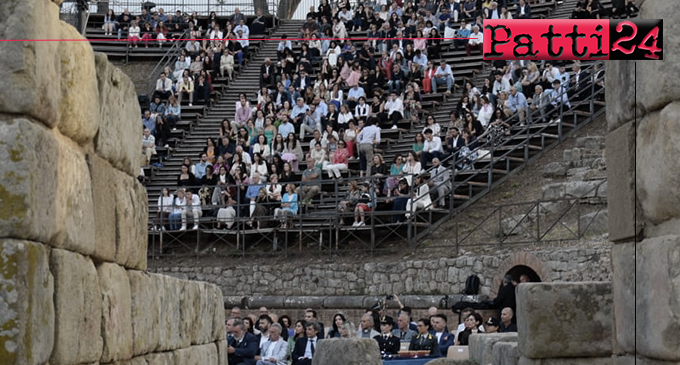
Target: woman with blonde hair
(347,330)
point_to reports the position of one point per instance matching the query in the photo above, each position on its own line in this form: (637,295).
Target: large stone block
(657,165)
(74,210)
(79,106)
(219,331)
(116,313)
(28,172)
(623,289)
(623,222)
(78,309)
(548,312)
(120,128)
(31,68)
(204,355)
(481,345)
(146,293)
(654,86)
(104,206)
(352,351)
(131,221)
(162,358)
(657,298)
(222,352)
(567,361)
(505,353)
(620,96)
(26,306)
(169,324)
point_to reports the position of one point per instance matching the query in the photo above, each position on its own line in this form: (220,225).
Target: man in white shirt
(242,27)
(283,44)
(395,109)
(148,146)
(432,148)
(421,59)
(501,84)
(275,350)
(443,75)
(192,206)
(558,100)
(353,96)
(421,197)
(476,41)
(367,138)
(243,39)
(163,87)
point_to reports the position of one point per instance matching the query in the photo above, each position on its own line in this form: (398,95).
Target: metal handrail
(493,159)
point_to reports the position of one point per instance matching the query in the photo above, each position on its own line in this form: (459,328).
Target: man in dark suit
(506,295)
(580,81)
(453,143)
(267,72)
(523,10)
(304,349)
(441,332)
(388,343)
(243,345)
(281,95)
(302,82)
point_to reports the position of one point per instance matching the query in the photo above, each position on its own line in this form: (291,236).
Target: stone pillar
(643,169)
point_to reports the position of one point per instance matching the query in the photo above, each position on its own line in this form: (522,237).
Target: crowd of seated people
(271,339)
(343,93)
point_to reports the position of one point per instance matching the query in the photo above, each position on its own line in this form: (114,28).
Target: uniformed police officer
(424,340)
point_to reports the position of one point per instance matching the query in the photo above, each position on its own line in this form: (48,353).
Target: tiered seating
(118,48)
(469,184)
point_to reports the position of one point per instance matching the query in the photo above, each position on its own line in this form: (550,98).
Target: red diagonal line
(207,39)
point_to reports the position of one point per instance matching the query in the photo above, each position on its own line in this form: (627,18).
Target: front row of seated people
(269,339)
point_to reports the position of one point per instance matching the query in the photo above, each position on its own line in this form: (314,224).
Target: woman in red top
(339,161)
(427,77)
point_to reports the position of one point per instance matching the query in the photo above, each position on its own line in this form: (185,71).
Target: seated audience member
(476,41)
(388,343)
(311,182)
(421,196)
(507,316)
(466,312)
(441,331)
(163,87)
(367,203)
(472,323)
(304,349)
(311,316)
(192,207)
(403,332)
(367,327)
(243,345)
(424,340)
(274,351)
(148,146)
(492,325)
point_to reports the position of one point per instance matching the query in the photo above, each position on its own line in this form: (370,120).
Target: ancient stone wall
(73,286)
(644,207)
(421,277)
